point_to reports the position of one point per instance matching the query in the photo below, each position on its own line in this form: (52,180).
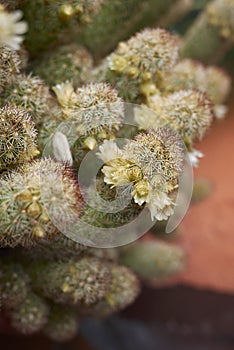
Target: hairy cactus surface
(18,137)
(14,284)
(68,62)
(48,20)
(9,67)
(84,281)
(212,32)
(32,94)
(26,194)
(31,315)
(62,324)
(135,65)
(153,260)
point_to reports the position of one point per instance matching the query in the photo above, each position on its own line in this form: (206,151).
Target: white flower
(194,157)
(64,93)
(141,191)
(119,172)
(220,111)
(160,205)
(108,151)
(145,117)
(61,148)
(11,29)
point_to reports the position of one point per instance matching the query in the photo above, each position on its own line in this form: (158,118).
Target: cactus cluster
(59,103)
(211,34)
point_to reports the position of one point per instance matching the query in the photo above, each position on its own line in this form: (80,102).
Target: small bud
(66,12)
(90,143)
(38,232)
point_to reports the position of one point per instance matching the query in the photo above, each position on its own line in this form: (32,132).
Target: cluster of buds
(149,166)
(135,66)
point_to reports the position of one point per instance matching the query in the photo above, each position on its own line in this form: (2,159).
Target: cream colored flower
(65,93)
(121,172)
(141,191)
(220,111)
(109,150)
(194,157)
(145,117)
(11,29)
(160,205)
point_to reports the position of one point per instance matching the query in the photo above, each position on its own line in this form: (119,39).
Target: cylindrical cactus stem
(34,200)
(153,259)
(68,62)
(31,315)
(190,74)
(9,67)
(83,281)
(211,35)
(189,112)
(134,68)
(13,284)
(176,12)
(17,137)
(128,16)
(48,19)
(62,323)
(32,94)
(96,111)
(124,289)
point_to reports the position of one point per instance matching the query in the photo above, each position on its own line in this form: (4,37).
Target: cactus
(14,284)
(153,260)
(9,67)
(101,35)
(68,62)
(211,34)
(62,324)
(149,166)
(135,66)
(189,74)
(32,94)
(18,137)
(31,315)
(30,195)
(188,112)
(48,20)
(53,272)
(84,281)
(124,289)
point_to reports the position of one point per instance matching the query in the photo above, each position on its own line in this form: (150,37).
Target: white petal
(108,151)
(194,157)
(61,148)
